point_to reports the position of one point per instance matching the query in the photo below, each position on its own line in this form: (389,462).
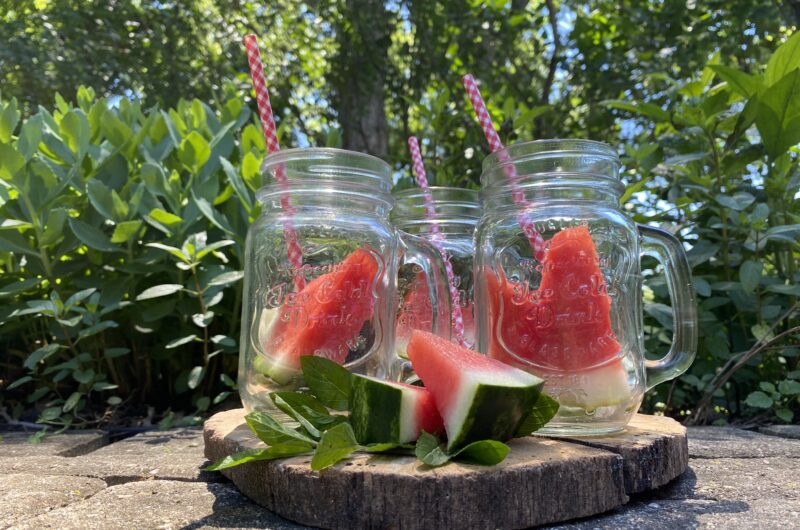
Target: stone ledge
(161,504)
(730,442)
(16,444)
(167,455)
(784,431)
(24,496)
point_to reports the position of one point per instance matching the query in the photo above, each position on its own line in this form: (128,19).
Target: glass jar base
(580,430)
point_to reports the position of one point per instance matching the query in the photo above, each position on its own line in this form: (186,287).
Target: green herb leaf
(430,450)
(252,455)
(328,381)
(484,452)
(383,447)
(272,432)
(543,411)
(337,443)
(288,409)
(310,408)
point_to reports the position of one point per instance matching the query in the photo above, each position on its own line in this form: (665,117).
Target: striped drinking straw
(534,237)
(430,212)
(294,252)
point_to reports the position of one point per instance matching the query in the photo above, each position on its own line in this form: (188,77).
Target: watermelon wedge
(388,412)
(414,313)
(478,397)
(562,330)
(325,318)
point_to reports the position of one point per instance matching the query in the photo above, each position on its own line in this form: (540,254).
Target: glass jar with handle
(571,311)
(451,229)
(320,274)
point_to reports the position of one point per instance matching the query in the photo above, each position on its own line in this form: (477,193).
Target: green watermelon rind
(375,410)
(495,413)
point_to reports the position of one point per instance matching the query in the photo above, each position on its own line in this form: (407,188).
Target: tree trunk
(358,75)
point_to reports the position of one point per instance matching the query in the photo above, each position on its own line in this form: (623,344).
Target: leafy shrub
(121,241)
(720,163)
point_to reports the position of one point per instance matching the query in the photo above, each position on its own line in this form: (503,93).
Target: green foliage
(719,162)
(149,207)
(121,242)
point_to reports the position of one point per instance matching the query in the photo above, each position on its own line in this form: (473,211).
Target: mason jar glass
(451,229)
(558,274)
(320,274)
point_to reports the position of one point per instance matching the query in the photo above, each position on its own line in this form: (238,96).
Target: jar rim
(521,151)
(312,169)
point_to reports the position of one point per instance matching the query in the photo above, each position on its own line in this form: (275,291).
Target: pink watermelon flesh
(325,318)
(386,411)
(478,397)
(415,313)
(566,323)
(563,326)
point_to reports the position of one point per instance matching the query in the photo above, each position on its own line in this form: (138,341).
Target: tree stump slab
(543,480)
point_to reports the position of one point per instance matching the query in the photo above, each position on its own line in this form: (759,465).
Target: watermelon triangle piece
(478,397)
(562,330)
(389,412)
(326,317)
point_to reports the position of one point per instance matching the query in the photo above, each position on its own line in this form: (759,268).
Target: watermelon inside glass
(562,330)
(323,319)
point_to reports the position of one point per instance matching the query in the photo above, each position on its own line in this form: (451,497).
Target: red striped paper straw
(271,140)
(430,211)
(534,237)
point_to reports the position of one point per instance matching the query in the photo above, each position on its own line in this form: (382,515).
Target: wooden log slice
(543,480)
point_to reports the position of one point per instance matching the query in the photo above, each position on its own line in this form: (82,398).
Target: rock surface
(24,496)
(16,444)
(736,479)
(786,431)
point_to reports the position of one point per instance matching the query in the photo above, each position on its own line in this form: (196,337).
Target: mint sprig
(329,437)
(434,453)
(328,381)
(270,453)
(544,409)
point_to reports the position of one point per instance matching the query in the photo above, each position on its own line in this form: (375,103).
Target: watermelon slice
(325,318)
(562,330)
(388,412)
(415,313)
(478,397)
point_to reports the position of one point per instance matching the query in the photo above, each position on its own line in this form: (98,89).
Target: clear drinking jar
(452,229)
(558,272)
(334,293)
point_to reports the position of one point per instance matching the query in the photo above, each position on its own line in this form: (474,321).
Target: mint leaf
(272,432)
(328,381)
(336,443)
(310,408)
(484,452)
(543,411)
(270,453)
(281,403)
(382,447)
(430,450)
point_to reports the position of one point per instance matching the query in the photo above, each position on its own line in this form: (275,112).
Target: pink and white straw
(293,249)
(430,212)
(534,237)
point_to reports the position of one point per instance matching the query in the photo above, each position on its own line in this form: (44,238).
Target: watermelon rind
(375,410)
(490,411)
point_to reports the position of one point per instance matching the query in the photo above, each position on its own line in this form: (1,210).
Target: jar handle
(666,248)
(420,252)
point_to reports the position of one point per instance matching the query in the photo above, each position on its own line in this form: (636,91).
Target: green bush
(719,163)
(121,237)
(120,255)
